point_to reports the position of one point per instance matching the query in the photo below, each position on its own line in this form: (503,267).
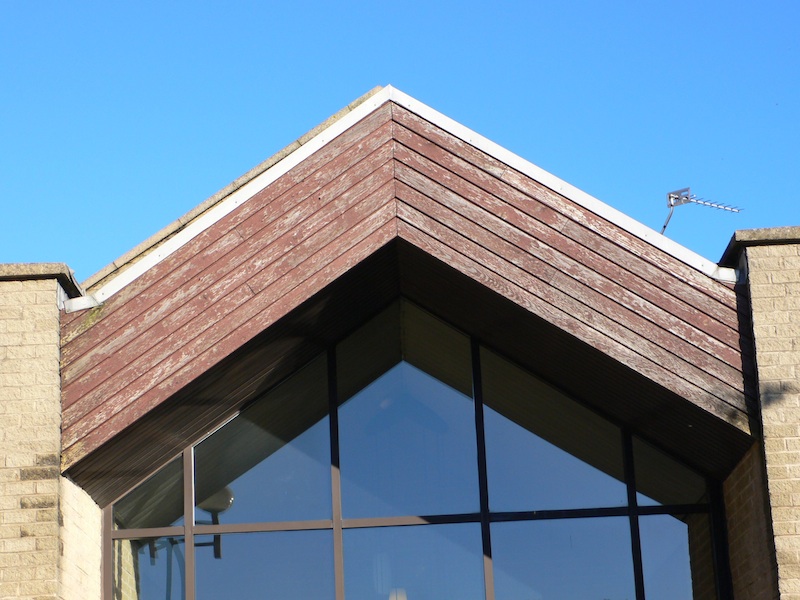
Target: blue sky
(117,118)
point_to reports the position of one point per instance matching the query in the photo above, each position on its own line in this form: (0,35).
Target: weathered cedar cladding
(396,205)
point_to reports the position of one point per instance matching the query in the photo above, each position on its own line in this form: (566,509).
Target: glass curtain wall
(411,463)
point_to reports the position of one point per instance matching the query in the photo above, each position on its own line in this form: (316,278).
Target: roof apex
(133,264)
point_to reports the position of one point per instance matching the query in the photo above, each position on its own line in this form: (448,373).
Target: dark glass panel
(565,558)
(544,450)
(432,562)
(407,447)
(284,565)
(436,348)
(662,480)
(158,502)
(403,332)
(668,542)
(149,569)
(369,352)
(272,462)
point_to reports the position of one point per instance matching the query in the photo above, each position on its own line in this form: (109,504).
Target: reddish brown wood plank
(479,272)
(346,143)
(473,242)
(209,264)
(555,250)
(277,255)
(270,306)
(165,358)
(677,271)
(442,165)
(529,254)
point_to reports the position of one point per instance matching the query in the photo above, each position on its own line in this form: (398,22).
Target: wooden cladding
(396,176)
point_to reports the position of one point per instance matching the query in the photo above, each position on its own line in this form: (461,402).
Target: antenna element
(684,196)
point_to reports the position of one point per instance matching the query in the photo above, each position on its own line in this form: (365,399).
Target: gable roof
(467,212)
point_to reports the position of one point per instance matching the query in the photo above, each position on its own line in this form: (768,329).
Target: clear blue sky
(117,118)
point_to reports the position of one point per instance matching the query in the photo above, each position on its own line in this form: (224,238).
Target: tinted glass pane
(272,462)
(149,569)
(158,502)
(661,479)
(543,450)
(559,559)
(285,565)
(407,444)
(430,562)
(665,559)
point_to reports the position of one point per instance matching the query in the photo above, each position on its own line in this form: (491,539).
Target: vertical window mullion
(336,479)
(107,550)
(633,513)
(477,398)
(188,520)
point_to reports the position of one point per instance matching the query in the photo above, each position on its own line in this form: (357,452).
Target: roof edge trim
(238,196)
(557,184)
(231,202)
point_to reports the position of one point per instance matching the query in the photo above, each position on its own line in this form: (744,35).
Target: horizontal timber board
(164,361)
(307,172)
(487,275)
(645,278)
(283,197)
(211,280)
(677,270)
(683,338)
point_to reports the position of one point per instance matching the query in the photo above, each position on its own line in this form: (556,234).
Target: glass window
(285,565)
(149,569)
(386,499)
(430,562)
(543,450)
(407,447)
(272,462)
(563,558)
(158,502)
(661,480)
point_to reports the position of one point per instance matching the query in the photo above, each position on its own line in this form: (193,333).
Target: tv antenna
(684,196)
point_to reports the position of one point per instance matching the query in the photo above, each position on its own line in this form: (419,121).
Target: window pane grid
(190,528)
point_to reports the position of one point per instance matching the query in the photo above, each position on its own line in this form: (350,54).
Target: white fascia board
(560,186)
(231,202)
(388,93)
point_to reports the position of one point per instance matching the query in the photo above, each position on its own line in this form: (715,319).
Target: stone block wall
(751,549)
(773,266)
(45,550)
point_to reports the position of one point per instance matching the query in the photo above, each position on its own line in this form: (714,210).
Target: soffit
(395,175)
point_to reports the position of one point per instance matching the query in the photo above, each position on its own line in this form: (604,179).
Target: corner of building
(769,260)
(50,530)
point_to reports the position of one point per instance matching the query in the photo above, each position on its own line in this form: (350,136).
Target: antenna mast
(684,196)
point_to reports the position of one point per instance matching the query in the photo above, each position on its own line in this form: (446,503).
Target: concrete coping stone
(768,236)
(28,271)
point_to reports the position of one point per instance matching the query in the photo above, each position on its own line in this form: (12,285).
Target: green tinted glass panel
(544,451)
(272,462)
(158,502)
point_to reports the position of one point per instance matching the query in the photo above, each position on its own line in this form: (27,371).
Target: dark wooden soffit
(401,269)
(396,176)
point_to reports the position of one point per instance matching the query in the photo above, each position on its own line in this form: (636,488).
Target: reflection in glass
(660,479)
(158,502)
(407,447)
(149,569)
(432,562)
(543,450)
(285,565)
(676,557)
(272,462)
(569,558)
